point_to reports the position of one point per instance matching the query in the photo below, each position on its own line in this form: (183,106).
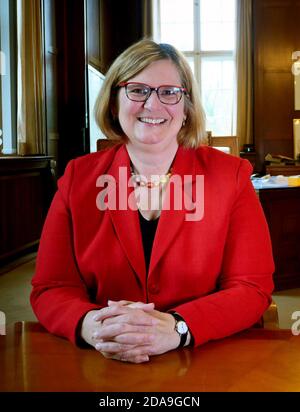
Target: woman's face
(152,122)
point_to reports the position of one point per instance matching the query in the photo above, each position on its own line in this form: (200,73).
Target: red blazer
(216,272)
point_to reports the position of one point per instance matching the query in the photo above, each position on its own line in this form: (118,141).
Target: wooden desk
(254,360)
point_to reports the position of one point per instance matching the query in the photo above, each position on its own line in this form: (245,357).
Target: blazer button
(154,289)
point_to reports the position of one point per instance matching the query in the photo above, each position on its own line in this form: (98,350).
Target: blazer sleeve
(59,296)
(245,282)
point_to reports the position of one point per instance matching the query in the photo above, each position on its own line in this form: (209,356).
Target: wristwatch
(181,328)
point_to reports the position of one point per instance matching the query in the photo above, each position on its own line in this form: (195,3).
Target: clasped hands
(130,331)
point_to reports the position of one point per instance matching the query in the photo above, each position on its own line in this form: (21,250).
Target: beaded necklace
(150,184)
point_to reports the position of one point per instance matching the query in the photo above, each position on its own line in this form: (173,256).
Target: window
(8,77)
(204,30)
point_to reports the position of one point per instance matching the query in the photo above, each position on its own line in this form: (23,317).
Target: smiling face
(152,122)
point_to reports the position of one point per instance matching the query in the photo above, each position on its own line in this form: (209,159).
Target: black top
(148,229)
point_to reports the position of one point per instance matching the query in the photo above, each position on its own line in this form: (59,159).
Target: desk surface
(255,360)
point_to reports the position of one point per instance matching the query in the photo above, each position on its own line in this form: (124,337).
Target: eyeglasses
(140,92)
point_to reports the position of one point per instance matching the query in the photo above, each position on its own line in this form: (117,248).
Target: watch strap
(183,336)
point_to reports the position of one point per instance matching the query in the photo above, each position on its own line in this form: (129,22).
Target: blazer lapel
(170,220)
(126,220)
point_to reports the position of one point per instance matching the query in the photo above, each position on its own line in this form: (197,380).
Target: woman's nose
(153,100)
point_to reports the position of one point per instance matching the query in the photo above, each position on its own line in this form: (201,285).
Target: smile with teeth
(151,121)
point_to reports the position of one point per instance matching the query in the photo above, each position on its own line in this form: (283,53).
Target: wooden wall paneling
(25,216)
(122,25)
(275,31)
(277,125)
(26,190)
(278,92)
(70,32)
(281,207)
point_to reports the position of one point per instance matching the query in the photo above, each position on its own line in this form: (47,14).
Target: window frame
(197,54)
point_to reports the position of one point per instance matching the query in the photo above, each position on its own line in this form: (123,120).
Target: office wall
(276,36)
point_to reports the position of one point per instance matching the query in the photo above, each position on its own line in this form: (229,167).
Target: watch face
(182,327)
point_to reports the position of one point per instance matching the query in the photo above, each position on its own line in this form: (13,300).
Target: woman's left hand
(133,331)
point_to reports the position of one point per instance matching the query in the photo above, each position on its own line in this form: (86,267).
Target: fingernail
(98,346)
(112,302)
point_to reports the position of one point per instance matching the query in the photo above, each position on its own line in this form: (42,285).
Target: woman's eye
(139,90)
(168,92)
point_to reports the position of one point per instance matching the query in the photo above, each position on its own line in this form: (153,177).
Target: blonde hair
(131,62)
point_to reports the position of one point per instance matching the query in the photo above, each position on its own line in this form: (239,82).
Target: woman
(159,242)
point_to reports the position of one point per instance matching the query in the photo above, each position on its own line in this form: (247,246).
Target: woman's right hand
(128,332)
(90,327)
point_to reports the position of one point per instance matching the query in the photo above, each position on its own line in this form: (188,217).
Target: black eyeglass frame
(183,91)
